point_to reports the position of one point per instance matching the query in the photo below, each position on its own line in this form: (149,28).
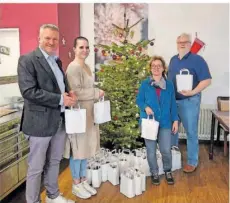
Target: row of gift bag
(75,118)
(132,181)
(125,167)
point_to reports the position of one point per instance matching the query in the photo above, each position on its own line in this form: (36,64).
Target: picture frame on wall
(4,50)
(9,53)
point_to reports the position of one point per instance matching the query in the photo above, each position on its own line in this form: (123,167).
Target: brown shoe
(189,168)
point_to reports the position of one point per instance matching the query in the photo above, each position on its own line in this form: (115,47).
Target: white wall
(167,21)
(211,22)
(87,29)
(9,38)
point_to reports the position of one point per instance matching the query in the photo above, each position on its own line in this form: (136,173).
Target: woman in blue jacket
(156,98)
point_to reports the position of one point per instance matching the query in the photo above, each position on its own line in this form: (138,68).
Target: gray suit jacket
(41,93)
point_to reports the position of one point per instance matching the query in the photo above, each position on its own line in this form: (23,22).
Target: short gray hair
(49,26)
(185,35)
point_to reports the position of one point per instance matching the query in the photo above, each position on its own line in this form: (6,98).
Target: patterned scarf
(161,84)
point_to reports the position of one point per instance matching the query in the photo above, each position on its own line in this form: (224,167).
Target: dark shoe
(169,178)
(189,168)
(155,179)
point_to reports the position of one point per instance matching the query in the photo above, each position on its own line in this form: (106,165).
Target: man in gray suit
(46,94)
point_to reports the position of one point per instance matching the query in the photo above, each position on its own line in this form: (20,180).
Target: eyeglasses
(156,66)
(82,47)
(185,42)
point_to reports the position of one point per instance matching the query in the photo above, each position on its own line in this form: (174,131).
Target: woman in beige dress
(80,147)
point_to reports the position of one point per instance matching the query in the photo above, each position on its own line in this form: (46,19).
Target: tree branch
(136,23)
(117,27)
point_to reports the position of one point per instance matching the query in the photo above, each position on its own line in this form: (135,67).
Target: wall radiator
(204,126)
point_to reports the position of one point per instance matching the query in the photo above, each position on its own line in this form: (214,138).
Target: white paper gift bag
(184,81)
(124,160)
(160,166)
(127,186)
(159,162)
(137,159)
(143,179)
(102,112)
(176,159)
(113,156)
(113,173)
(138,184)
(96,176)
(128,155)
(75,120)
(89,174)
(145,166)
(104,171)
(149,128)
(143,182)
(133,182)
(123,164)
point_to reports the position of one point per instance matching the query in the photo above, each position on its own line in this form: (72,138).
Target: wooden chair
(222,105)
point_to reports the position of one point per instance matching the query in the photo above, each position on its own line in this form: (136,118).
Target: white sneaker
(80,191)
(90,189)
(59,199)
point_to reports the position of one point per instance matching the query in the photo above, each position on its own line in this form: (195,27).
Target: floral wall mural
(107,19)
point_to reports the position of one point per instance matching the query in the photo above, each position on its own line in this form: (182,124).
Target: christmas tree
(120,78)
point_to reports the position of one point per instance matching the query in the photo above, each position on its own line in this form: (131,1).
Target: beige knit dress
(84,145)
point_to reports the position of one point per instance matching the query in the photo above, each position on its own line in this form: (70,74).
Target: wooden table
(223,118)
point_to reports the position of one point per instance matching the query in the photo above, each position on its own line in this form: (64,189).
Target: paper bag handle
(126,150)
(72,108)
(152,118)
(184,70)
(101,99)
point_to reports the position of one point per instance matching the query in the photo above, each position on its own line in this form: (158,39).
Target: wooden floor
(209,183)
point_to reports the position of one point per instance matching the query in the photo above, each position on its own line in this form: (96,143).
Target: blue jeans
(78,167)
(175,137)
(164,141)
(189,110)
